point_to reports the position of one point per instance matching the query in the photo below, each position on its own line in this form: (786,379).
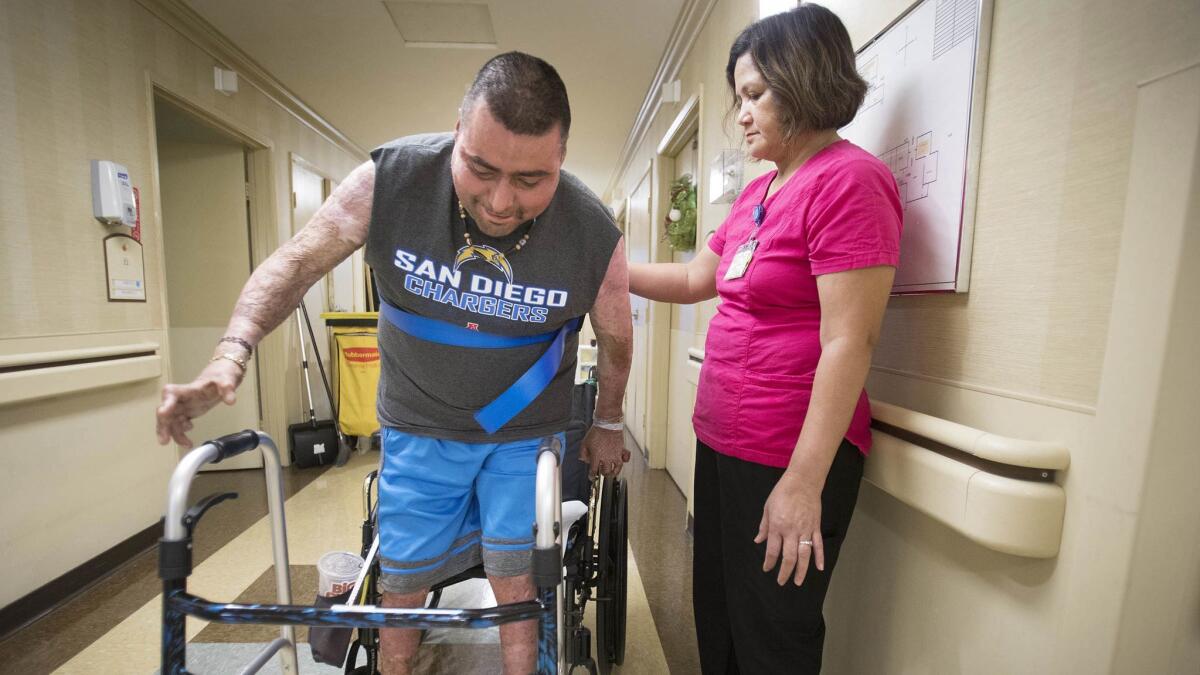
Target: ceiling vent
(443,24)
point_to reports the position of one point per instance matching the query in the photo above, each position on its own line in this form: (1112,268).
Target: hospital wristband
(612,424)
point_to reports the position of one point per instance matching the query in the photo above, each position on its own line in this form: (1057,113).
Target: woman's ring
(806,542)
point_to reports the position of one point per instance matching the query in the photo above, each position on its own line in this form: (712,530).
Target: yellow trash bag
(358,380)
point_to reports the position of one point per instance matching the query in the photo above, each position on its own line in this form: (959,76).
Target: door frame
(620,215)
(688,122)
(264,239)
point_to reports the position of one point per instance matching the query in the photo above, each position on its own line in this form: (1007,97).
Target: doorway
(637,235)
(679,329)
(681,394)
(203,179)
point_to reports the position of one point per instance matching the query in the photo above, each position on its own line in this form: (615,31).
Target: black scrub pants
(745,622)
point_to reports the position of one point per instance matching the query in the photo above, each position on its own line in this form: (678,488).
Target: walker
(175,565)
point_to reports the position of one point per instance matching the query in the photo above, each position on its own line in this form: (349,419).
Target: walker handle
(235,444)
(552,445)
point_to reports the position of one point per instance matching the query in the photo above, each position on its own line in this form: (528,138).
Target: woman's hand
(791,526)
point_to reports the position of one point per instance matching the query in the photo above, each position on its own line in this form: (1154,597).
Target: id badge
(741,260)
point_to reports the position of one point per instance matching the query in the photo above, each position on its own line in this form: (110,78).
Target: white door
(638,245)
(308,193)
(681,393)
(343,288)
(206,239)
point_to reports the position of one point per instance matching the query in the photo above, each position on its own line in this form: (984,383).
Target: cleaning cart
(356,341)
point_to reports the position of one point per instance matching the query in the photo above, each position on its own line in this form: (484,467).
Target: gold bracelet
(230,357)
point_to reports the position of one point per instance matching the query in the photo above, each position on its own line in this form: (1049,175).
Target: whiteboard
(922,116)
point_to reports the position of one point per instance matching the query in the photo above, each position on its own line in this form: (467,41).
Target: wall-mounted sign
(725,176)
(923,116)
(124,269)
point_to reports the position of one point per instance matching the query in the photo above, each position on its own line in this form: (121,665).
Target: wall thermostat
(112,194)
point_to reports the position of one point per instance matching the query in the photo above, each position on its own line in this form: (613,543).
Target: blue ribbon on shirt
(519,394)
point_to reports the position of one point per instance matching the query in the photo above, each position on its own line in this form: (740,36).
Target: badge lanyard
(745,252)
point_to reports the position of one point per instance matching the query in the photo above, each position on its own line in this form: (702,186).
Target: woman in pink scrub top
(803,266)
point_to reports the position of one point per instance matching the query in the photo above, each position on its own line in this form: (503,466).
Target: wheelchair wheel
(613,577)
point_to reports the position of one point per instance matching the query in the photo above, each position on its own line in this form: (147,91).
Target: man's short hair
(806,57)
(523,92)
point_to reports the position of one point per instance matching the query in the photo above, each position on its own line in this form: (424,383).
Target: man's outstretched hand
(182,403)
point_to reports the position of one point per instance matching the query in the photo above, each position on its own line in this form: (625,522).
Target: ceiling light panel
(446,25)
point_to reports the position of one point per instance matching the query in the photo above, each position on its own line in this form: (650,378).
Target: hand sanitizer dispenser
(112,194)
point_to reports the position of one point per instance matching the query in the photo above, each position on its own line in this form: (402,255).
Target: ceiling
(348,61)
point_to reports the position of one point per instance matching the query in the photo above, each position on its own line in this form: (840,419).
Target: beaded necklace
(462,215)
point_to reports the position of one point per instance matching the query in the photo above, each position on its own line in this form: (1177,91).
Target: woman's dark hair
(523,92)
(807,60)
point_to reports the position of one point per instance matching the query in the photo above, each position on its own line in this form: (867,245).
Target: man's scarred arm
(614,334)
(610,315)
(272,293)
(337,229)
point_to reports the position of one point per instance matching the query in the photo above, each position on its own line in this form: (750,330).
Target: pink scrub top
(840,211)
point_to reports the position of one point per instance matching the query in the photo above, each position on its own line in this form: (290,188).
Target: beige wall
(81,473)
(1058,127)
(1030,352)
(84,472)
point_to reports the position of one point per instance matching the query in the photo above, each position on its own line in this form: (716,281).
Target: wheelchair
(579,556)
(595,518)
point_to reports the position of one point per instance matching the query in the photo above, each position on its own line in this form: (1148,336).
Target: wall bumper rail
(37,375)
(996,491)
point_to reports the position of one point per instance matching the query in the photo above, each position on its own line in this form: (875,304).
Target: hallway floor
(113,626)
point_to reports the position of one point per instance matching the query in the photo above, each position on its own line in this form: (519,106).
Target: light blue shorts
(446,506)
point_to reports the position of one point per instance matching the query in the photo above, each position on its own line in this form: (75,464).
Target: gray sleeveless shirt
(422,265)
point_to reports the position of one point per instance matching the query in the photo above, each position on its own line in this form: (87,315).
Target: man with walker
(486,255)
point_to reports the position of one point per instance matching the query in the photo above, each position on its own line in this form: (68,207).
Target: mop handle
(320,366)
(312,414)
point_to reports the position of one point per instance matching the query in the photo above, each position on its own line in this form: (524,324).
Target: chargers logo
(474,291)
(488,254)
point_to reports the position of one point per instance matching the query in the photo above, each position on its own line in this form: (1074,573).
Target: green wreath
(679,228)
